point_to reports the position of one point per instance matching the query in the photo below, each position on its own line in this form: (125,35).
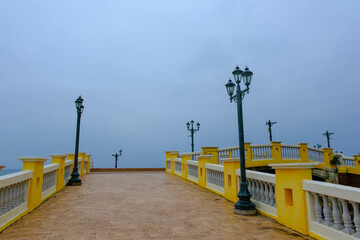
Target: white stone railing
(49,180)
(14,190)
(333,210)
(262,188)
(192,154)
(316,155)
(261,152)
(346,161)
(215,177)
(178,164)
(84,166)
(290,151)
(192,170)
(168,164)
(67,172)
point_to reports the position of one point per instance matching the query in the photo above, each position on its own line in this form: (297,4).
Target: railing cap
(82,153)
(70,154)
(205,156)
(33,159)
(190,153)
(224,160)
(58,155)
(293,165)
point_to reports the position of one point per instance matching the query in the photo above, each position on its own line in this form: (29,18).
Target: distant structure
(270,123)
(328,134)
(116,155)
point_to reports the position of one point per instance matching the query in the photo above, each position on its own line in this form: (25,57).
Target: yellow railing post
(173,155)
(328,155)
(210,155)
(247,146)
(35,164)
(210,151)
(276,151)
(290,198)
(184,168)
(303,152)
(71,156)
(87,156)
(59,159)
(81,162)
(230,179)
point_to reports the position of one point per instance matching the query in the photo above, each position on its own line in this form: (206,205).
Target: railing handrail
(227,148)
(265,177)
(333,190)
(216,167)
(315,149)
(191,162)
(50,168)
(13,178)
(260,145)
(177,160)
(290,146)
(190,153)
(68,162)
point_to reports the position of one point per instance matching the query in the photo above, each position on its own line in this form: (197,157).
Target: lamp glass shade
(247,76)
(198,125)
(237,74)
(192,122)
(78,102)
(230,87)
(82,109)
(188,124)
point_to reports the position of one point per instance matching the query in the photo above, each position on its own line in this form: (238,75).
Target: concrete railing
(49,180)
(178,166)
(192,170)
(193,155)
(333,210)
(68,171)
(215,177)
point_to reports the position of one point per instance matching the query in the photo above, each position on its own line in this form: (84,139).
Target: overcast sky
(145,68)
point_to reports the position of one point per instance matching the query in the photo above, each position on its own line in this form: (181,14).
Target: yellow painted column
(328,155)
(276,151)
(210,151)
(357,164)
(172,155)
(202,160)
(247,147)
(230,179)
(184,169)
(71,156)
(167,157)
(81,164)
(35,164)
(290,198)
(87,157)
(59,159)
(303,152)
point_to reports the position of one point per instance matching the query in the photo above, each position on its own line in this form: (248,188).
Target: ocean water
(5,171)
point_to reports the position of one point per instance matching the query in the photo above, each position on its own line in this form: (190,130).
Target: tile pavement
(141,205)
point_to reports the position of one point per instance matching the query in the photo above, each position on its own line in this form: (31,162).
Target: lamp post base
(74,182)
(251,212)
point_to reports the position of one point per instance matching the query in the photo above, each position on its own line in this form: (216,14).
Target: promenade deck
(141,205)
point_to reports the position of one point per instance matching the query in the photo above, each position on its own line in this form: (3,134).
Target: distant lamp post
(318,146)
(192,131)
(75,180)
(116,155)
(270,123)
(244,206)
(328,134)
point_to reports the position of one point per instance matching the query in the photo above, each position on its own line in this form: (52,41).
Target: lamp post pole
(328,134)
(75,180)
(243,206)
(116,155)
(270,123)
(192,131)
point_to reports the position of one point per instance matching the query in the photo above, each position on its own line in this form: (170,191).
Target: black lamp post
(192,130)
(270,123)
(327,134)
(116,155)
(75,180)
(244,206)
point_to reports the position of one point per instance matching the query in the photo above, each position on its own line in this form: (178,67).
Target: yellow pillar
(202,160)
(35,164)
(184,169)
(276,151)
(87,157)
(247,147)
(328,155)
(172,155)
(59,159)
(290,198)
(167,156)
(303,152)
(71,156)
(210,151)
(230,179)
(81,162)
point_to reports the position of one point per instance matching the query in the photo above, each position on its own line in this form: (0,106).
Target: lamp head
(237,74)
(78,102)
(247,75)
(230,87)
(198,125)
(188,125)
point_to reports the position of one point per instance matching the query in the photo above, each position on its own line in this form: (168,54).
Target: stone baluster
(347,218)
(327,212)
(356,218)
(271,195)
(317,208)
(253,190)
(262,191)
(249,182)
(274,195)
(336,215)
(258,190)
(267,198)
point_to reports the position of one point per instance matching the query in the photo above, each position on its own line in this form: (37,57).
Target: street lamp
(192,130)
(244,206)
(116,155)
(75,180)
(270,123)
(327,134)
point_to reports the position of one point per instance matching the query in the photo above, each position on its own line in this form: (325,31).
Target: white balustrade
(349,161)
(333,210)
(193,155)
(315,155)
(84,166)
(14,189)
(215,177)
(178,164)
(192,170)
(261,152)
(168,164)
(262,188)
(67,172)
(290,152)
(49,180)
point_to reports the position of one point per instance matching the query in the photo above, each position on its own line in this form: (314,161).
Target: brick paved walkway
(141,206)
